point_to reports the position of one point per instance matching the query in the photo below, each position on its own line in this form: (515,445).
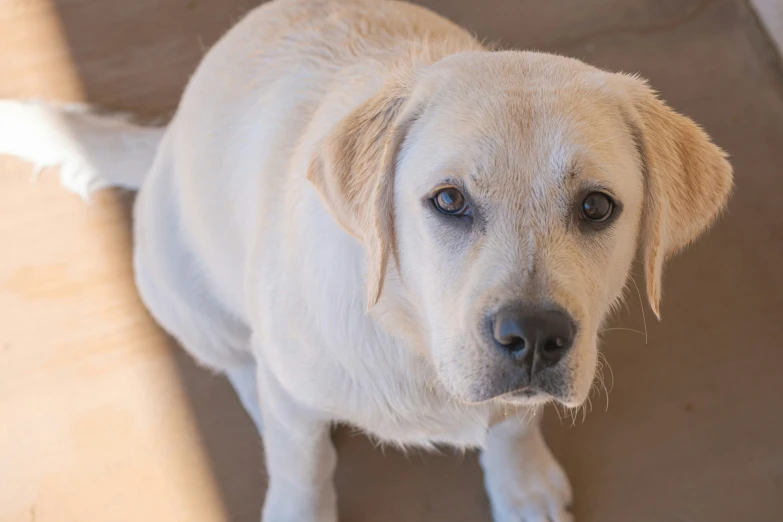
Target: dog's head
(507,194)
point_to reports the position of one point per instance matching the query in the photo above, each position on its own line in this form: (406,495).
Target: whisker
(524,417)
(624,329)
(598,383)
(573,413)
(557,410)
(641,304)
(611,375)
(602,359)
(625,301)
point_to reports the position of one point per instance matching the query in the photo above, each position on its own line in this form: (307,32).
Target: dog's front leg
(300,459)
(524,481)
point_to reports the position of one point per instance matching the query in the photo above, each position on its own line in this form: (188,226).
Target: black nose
(539,337)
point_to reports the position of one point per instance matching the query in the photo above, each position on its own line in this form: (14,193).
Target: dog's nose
(535,337)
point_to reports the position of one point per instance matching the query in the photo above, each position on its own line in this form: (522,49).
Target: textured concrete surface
(103,419)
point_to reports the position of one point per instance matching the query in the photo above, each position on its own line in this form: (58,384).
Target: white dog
(363,216)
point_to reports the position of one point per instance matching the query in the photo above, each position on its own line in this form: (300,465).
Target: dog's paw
(528,487)
(285,503)
(542,497)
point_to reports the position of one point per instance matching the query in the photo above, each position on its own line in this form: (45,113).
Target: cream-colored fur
(285,236)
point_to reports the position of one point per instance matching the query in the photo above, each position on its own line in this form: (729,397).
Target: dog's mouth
(527,396)
(526,393)
(537,394)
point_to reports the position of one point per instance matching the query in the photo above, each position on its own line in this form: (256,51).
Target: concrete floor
(103,419)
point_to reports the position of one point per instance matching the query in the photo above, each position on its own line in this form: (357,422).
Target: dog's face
(517,214)
(511,192)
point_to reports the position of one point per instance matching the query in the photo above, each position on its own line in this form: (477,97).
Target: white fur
(93,151)
(237,255)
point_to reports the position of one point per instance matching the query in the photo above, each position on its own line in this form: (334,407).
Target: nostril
(512,343)
(554,347)
(508,333)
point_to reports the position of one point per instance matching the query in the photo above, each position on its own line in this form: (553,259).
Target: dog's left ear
(353,172)
(688,180)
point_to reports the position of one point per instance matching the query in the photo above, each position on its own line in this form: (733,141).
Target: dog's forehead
(523,127)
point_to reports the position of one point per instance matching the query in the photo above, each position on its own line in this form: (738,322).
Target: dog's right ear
(353,172)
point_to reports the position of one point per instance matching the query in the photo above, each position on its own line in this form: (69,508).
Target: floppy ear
(688,181)
(353,172)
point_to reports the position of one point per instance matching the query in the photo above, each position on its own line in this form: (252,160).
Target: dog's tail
(94,151)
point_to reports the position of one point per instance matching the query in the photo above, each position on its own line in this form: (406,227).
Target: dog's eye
(597,207)
(451,201)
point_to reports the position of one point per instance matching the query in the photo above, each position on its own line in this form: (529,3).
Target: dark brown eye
(597,206)
(451,201)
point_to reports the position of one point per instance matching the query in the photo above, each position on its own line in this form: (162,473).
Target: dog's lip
(525,394)
(527,391)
